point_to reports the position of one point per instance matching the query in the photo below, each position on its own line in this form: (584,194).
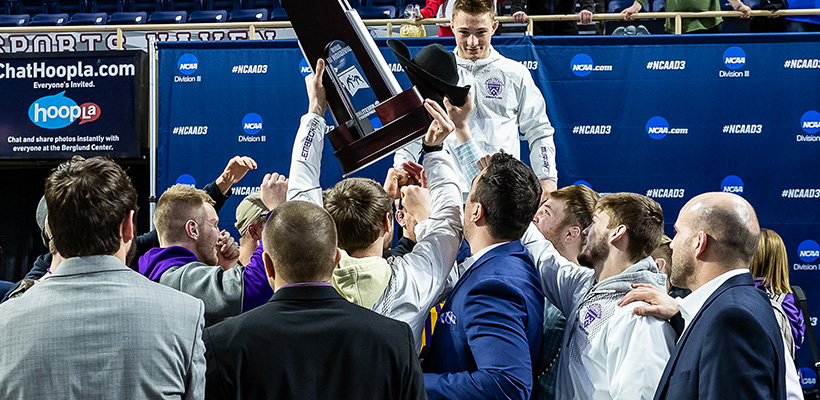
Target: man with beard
(196,258)
(609,353)
(731,346)
(563,217)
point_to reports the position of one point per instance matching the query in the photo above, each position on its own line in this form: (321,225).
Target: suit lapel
(739,280)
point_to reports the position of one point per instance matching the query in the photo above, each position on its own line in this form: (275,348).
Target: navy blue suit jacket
(489,331)
(732,349)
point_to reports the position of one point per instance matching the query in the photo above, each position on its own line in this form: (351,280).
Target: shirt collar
(691,305)
(469,261)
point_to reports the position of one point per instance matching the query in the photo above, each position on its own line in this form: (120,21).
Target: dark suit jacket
(489,331)
(308,342)
(732,349)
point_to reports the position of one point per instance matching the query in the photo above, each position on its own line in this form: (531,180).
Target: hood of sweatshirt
(481,62)
(361,280)
(156,261)
(644,271)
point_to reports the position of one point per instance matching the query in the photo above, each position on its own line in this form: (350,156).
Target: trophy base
(404,119)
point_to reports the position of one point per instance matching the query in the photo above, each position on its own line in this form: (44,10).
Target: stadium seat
(203,16)
(249,15)
(659,5)
(14,20)
(88,19)
(13,7)
(168,17)
(128,18)
(377,12)
(278,14)
(49,20)
(51,7)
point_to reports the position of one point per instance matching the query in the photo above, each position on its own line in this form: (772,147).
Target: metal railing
(677,17)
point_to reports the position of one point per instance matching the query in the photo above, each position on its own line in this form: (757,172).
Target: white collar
(469,261)
(690,305)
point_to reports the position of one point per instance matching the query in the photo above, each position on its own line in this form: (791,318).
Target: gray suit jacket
(97,330)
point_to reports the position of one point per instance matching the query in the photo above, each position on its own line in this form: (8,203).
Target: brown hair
(474,7)
(87,201)
(300,238)
(771,263)
(510,193)
(580,204)
(358,207)
(175,207)
(642,216)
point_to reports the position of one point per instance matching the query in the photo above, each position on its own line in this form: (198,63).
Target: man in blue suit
(489,331)
(731,347)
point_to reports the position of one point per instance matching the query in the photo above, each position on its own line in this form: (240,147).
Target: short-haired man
(605,353)
(729,325)
(564,215)
(308,342)
(489,333)
(94,328)
(406,287)
(198,259)
(505,96)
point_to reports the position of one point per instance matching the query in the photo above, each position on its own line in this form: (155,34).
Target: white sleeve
(637,350)
(467,154)
(409,152)
(561,279)
(537,129)
(423,272)
(306,160)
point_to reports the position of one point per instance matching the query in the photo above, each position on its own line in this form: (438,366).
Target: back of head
(250,211)
(358,206)
(87,201)
(663,250)
(580,203)
(771,263)
(474,7)
(731,223)
(300,238)
(175,207)
(510,193)
(642,216)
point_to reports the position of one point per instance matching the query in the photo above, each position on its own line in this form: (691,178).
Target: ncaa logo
(810,122)
(808,378)
(252,123)
(585,183)
(581,64)
(188,64)
(187,180)
(734,57)
(657,127)
(732,184)
(808,251)
(304,68)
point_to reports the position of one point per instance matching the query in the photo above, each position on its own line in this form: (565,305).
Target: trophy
(373,116)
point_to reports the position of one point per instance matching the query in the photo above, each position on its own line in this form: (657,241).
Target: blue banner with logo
(57,105)
(665,116)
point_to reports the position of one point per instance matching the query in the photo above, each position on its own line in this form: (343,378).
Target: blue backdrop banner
(665,116)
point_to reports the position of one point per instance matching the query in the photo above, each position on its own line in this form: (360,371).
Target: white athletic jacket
(506,99)
(418,277)
(607,351)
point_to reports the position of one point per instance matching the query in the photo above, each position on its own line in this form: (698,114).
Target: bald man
(731,346)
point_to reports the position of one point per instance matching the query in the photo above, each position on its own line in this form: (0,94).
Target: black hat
(433,71)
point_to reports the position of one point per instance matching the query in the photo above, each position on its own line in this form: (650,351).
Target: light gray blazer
(97,330)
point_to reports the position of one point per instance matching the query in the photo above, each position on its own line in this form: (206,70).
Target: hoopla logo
(187,180)
(657,127)
(304,68)
(808,251)
(810,122)
(252,123)
(58,111)
(732,184)
(581,64)
(734,57)
(188,64)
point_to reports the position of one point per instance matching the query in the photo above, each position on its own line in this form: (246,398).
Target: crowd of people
(547,292)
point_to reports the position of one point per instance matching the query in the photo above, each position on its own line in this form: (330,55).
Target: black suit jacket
(308,342)
(732,349)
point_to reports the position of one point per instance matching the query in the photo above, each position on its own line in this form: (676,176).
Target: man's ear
(400,218)
(701,243)
(477,213)
(191,229)
(388,222)
(495,25)
(269,270)
(661,265)
(255,234)
(617,234)
(127,227)
(574,232)
(338,257)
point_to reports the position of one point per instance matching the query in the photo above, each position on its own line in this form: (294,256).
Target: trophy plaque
(373,116)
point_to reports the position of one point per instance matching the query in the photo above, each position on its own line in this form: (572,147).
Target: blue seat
(278,14)
(13,7)
(14,20)
(168,17)
(88,19)
(128,18)
(208,16)
(659,5)
(377,12)
(49,20)
(249,15)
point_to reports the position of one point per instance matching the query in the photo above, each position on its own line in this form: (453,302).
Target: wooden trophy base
(404,119)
